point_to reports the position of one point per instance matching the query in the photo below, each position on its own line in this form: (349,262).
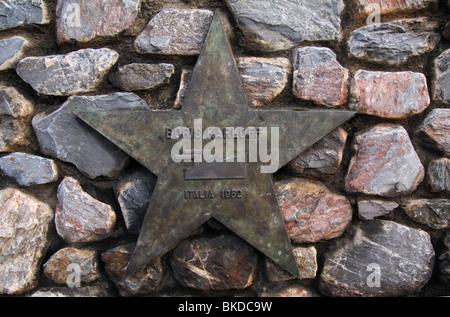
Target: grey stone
(64,136)
(379,258)
(434,132)
(13,134)
(385,163)
(84,20)
(175,32)
(134,191)
(19,12)
(142,76)
(441,81)
(370,209)
(69,74)
(439,175)
(26,169)
(394,42)
(11,51)
(434,213)
(14,104)
(25,224)
(319,77)
(79,217)
(272,25)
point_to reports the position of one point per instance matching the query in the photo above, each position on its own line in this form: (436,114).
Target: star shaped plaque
(198,179)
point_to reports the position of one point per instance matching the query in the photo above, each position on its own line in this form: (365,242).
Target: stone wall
(366,208)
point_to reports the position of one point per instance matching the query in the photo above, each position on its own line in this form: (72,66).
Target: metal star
(181,200)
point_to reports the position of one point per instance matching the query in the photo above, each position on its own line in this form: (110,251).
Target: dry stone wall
(367,208)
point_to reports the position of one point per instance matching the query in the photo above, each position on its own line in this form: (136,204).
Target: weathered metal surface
(244,199)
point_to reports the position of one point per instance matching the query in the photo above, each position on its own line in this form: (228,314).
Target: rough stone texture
(395,95)
(263,78)
(140,76)
(133,192)
(13,134)
(175,32)
(394,42)
(24,239)
(11,51)
(323,158)
(86,291)
(444,258)
(143,281)
(15,104)
(311,212)
(69,74)
(385,163)
(306,258)
(84,20)
(220,263)
(435,130)
(19,12)
(79,217)
(185,80)
(434,213)
(441,81)
(319,77)
(438,175)
(64,136)
(404,257)
(57,267)
(272,25)
(288,291)
(389,7)
(446,32)
(370,209)
(26,169)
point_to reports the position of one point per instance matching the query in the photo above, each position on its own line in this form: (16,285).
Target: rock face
(140,76)
(280,24)
(380,258)
(60,266)
(175,32)
(221,263)
(394,42)
(14,104)
(143,281)
(389,95)
(385,163)
(79,217)
(310,211)
(64,75)
(441,84)
(26,169)
(11,51)
(435,130)
(434,213)
(84,20)
(439,175)
(323,158)
(370,209)
(19,12)
(64,136)
(24,239)
(133,192)
(319,77)
(263,78)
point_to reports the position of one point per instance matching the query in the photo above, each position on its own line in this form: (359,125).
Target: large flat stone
(272,25)
(64,136)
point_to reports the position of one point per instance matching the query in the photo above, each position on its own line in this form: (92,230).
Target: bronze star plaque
(233,190)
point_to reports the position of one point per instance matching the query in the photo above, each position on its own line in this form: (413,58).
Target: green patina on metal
(189,194)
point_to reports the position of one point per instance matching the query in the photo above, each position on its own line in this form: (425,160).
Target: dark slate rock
(441,82)
(18,12)
(444,258)
(434,132)
(64,136)
(140,76)
(379,258)
(434,213)
(27,169)
(394,42)
(439,175)
(11,51)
